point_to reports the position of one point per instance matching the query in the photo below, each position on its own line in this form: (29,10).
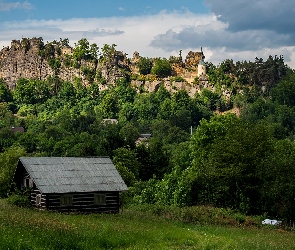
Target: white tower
(201,68)
(202,65)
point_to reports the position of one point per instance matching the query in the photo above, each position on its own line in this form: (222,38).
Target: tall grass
(135,228)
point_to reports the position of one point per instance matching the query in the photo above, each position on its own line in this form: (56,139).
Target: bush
(8,162)
(177,79)
(144,65)
(162,68)
(20,199)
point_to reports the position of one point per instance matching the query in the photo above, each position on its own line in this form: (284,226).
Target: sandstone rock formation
(30,58)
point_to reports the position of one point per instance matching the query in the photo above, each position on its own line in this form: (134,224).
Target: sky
(225,29)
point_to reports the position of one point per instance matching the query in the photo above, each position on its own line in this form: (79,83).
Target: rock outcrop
(30,58)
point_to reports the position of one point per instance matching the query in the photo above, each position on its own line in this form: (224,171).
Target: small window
(100,199)
(66,200)
(27,182)
(38,200)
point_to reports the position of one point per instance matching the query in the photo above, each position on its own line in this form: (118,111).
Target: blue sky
(53,9)
(235,29)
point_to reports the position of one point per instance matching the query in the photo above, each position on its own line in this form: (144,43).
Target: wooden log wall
(84,202)
(43,200)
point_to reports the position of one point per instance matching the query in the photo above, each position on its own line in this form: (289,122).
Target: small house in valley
(71,183)
(143,139)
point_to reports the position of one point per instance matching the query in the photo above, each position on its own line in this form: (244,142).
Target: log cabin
(70,183)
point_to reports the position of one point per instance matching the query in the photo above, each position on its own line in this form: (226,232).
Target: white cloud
(160,35)
(15,5)
(121,9)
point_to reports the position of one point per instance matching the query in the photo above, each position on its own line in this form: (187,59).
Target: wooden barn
(70,183)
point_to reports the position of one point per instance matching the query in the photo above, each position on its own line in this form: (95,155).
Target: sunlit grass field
(137,228)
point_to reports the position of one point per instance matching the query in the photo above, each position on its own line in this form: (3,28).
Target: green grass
(135,228)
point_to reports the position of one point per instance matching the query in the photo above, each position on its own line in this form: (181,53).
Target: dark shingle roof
(71,174)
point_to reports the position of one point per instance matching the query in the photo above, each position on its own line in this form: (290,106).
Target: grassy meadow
(137,228)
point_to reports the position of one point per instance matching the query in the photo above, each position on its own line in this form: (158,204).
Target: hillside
(198,152)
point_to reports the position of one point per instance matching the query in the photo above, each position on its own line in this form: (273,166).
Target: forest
(199,152)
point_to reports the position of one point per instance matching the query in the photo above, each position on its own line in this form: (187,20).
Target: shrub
(144,65)
(20,198)
(177,79)
(162,68)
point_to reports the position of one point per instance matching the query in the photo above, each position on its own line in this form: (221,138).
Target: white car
(271,222)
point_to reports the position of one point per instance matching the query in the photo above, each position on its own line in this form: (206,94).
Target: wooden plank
(84,202)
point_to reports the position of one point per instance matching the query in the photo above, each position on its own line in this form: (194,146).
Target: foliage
(145,65)
(227,155)
(193,155)
(177,79)
(161,67)
(8,161)
(6,116)
(25,44)
(5,93)
(89,73)
(54,63)
(127,164)
(86,51)
(20,198)
(229,166)
(284,92)
(107,53)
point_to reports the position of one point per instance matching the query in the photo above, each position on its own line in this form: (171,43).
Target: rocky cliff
(31,58)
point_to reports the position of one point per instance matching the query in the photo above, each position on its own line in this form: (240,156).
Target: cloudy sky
(234,29)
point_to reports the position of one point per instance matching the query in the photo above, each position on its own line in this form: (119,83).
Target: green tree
(145,65)
(8,162)
(128,112)
(227,156)
(162,67)
(158,158)
(180,100)
(125,92)
(182,119)
(6,117)
(126,162)
(109,138)
(165,110)
(25,92)
(5,93)
(108,107)
(210,98)
(67,93)
(129,134)
(146,106)
(108,53)
(284,92)
(43,91)
(176,135)
(28,141)
(162,94)
(7,138)
(278,189)
(146,170)
(85,51)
